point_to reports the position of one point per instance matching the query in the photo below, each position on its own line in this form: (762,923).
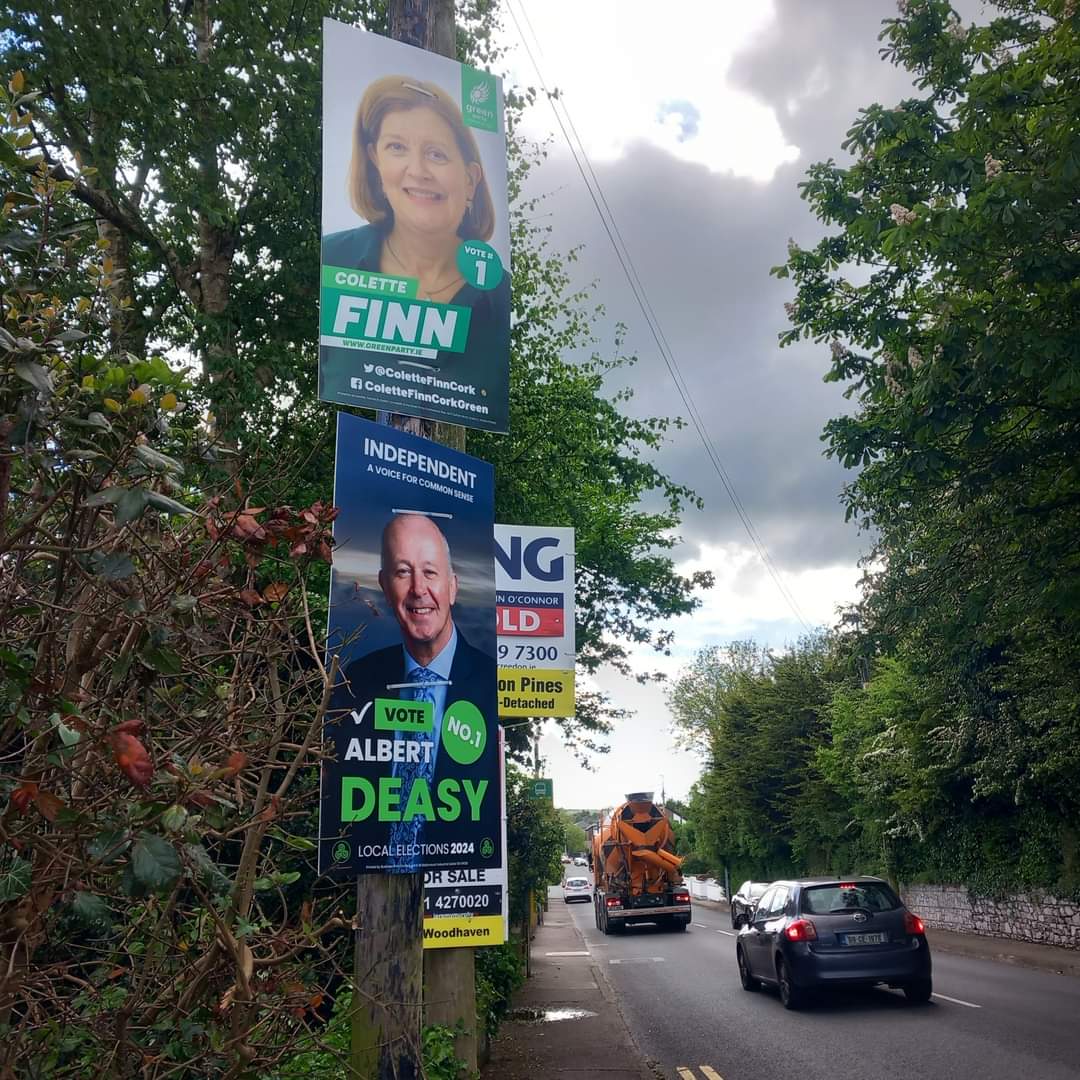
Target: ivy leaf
(162,660)
(154,862)
(108,846)
(15,880)
(91,909)
(112,567)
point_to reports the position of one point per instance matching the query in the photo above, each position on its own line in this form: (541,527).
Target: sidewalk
(594,1046)
(1023,953)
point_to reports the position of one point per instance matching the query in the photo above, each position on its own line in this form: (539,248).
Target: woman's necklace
(431,293)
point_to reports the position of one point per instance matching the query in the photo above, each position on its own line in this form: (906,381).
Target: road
(681,997)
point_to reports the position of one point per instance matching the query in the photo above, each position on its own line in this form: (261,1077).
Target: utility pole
(391,969)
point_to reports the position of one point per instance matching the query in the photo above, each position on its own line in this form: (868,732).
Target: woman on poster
(417,179)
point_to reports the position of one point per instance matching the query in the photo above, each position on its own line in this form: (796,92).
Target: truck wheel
(678,926)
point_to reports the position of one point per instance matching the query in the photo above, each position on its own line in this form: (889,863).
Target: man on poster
(434,665)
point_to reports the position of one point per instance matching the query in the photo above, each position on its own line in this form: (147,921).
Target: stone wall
(1034,916)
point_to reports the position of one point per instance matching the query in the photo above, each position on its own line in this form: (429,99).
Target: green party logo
(464,733)
(341,851)
(479,99)
(487,847)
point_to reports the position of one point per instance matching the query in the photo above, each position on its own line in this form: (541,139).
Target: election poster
(412,783)
(534,596)
(467,908)
(414,298)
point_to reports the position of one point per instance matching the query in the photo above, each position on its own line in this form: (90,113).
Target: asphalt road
(680,996)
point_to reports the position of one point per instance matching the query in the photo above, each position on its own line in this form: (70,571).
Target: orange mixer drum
(635,848)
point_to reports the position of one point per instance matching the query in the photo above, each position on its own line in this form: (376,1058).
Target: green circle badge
(487,848)
(341,851)
(464,733)
(479,264)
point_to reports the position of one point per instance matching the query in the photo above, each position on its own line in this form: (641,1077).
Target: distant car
(821,932)
(580,860)
(564,859)
(577,888)
(745,900)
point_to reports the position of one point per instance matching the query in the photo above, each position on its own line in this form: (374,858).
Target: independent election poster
(412,783)
(415,278)
(534,596)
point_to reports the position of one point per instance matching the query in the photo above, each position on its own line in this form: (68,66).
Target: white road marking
(710,1073)
(685,1073)
(702,925)
(637,960)
(727,933)
(580,952)
(957,1001)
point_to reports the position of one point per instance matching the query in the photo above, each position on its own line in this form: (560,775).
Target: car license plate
(865,939)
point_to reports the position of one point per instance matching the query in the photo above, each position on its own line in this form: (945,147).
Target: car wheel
(678,927)
(736,920)
(918,993)
(791,996)
(748,981)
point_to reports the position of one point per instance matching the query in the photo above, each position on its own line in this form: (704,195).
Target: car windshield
(836,899)
(576,883)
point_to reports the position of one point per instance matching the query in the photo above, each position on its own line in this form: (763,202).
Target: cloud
(699,130)
(682,116)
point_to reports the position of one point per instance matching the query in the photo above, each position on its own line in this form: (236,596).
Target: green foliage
(948,291)
(324,1055)
(534,835)
(500,970)
(148,690)
(575,839)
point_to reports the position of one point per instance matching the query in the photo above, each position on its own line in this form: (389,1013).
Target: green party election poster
(414,297)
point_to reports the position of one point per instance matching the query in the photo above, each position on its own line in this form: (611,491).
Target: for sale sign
(534,604)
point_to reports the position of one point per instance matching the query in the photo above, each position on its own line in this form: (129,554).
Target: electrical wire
(622,253)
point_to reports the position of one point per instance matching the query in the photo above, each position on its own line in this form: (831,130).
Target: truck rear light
(681,898)
(913,924)
(614,901)
(801,930)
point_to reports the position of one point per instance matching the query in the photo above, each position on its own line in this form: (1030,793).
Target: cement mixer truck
(636,873)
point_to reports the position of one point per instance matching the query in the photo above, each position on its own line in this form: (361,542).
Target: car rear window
(576,882)
(836,899)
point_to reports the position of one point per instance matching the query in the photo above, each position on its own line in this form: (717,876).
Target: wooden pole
(390,966)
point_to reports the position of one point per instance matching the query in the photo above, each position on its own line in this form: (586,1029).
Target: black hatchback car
(745,900)
(820,932)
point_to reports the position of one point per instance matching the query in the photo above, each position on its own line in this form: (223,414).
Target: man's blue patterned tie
(408,833)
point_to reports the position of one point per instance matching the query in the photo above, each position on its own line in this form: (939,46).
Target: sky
(699,128)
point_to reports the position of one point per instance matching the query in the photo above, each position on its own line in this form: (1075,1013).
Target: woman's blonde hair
(400,93)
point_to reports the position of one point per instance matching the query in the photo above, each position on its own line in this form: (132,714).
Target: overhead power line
(641,296)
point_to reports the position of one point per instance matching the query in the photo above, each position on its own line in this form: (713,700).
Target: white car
(580,860)
(577,888)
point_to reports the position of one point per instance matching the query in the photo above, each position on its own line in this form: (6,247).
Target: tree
(208,202)
(575,839)
(759,717)
(161,695)
(948,292)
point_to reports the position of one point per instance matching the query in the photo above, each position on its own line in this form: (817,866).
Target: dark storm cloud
(703,243)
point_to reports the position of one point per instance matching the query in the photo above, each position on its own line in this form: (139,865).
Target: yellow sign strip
(461,931)
(535,692)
